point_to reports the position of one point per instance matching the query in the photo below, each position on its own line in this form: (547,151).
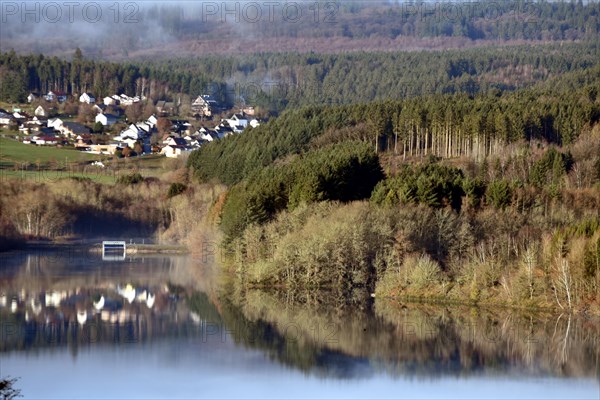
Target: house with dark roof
(165,108)
(99,107)
(74,129)
(6,118)
(87,98)
(61,97)
(106,119)
(204,105)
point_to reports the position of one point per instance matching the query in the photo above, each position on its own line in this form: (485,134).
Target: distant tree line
(440,126)
(38,73)
(361,24)
(276,81)
(503,20)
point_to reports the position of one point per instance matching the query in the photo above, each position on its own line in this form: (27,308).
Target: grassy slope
(12,152)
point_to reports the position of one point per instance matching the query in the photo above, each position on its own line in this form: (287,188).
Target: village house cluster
(48,127)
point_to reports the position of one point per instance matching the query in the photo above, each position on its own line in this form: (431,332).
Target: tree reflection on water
(45,305)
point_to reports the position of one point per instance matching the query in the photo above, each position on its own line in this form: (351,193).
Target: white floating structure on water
(113,250)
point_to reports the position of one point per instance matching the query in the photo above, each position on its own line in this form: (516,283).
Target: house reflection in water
(55,296)
(86,315)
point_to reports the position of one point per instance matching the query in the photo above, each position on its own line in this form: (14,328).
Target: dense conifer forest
(275,81)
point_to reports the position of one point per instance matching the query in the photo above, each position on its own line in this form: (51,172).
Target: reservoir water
(76,327)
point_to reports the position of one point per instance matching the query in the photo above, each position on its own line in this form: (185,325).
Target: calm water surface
(76,327)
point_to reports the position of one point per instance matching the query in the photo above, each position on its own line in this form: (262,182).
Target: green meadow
(47,164)
(13,152)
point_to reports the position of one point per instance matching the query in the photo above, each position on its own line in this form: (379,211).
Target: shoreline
(403,301)
(94,246)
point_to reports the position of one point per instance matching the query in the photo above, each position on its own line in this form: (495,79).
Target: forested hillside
(491,198)
(505,20)
(444,125)
(161,30)
(275,81)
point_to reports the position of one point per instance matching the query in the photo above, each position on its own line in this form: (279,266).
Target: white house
(152,121)
(103,149)
(191,142)
(172,141)
(223,130)
(144,126)
(110,101)
(249,110)
(34,123)
(132,132)
(207,136)
(87,98)
(173,151)
(31,97)
(130,142)
(40,112)
(106,119)
(127,101)
(55,123)
(237,122)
